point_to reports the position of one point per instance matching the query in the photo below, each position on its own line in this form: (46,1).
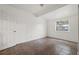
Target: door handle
(14,31)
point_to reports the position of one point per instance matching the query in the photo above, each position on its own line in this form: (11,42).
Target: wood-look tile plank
(44,46)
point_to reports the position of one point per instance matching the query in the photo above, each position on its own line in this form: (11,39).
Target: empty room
(38,29)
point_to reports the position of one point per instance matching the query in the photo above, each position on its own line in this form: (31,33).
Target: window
(62,25)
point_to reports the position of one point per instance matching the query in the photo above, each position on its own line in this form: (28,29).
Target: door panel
(8,34)
(21,33)
(1,36)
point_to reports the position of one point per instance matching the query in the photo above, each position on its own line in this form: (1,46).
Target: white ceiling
(38,10)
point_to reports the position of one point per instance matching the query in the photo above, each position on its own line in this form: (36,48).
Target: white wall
(69,12)
(27,26)
(78,32)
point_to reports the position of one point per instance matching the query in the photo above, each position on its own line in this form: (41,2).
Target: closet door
(21,33)
(9,35)
(8,28)
(1,36)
